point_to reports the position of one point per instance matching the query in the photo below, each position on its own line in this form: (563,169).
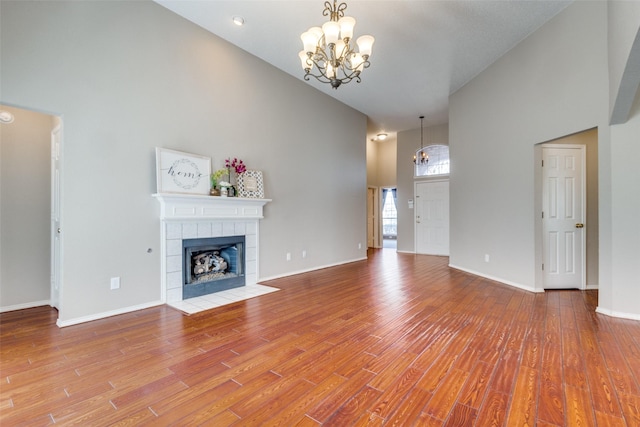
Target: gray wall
(25,200)
(625,254)
(622,239)
(387,163)
(130,76)
(381,162)
(551,85)
(555,83)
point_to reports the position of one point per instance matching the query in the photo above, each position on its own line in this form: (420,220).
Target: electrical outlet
(359,245)
(115,283)
(486,257)
(288,256)
(304,254)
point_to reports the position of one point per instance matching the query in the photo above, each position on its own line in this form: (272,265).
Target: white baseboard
(25,305)
(621,315)
(104,314)
(498,279)
(293,273)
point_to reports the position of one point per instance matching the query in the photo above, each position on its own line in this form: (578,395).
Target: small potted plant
(216,181)
(224,188)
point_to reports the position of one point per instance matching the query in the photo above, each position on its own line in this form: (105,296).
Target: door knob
(579,225)
(59,230)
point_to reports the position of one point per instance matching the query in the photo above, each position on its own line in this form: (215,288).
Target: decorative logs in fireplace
(212,265)
(208,262)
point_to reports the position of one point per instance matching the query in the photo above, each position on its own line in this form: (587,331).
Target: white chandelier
(329,50)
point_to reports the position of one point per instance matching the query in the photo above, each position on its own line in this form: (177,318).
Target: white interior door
(432,217)
(56,138)
(563,195)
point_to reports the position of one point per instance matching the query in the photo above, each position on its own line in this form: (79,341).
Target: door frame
(57,135)
(583,177)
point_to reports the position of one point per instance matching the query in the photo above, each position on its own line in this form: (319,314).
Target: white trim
(56,223)
(105,314)
(307,270)
(498,279)
(619,314)
(184,207)
(25,305)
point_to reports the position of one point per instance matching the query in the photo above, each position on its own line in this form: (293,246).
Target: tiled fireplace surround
(194,216)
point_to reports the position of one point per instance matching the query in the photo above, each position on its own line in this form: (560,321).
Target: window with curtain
(389,214)
(438,163)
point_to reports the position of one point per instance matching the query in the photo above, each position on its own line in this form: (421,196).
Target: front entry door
(432,217)
(563,216)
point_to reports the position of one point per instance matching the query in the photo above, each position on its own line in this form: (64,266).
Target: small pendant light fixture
(421,157)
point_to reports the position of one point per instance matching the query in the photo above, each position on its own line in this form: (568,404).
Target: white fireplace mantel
(186,216)
(180,207)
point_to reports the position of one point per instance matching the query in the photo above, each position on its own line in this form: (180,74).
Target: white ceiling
(424,50)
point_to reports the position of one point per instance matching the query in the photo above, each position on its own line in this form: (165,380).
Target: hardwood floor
(396,340)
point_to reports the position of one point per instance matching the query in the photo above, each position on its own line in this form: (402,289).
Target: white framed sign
(251,184)
(179,172)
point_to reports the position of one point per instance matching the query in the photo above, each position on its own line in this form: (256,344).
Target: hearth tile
(174,230)
(174,247)
(240,228)
(228,229)
(216,229)
(174,280)
(219,299)
(174,263)
(204,230)
(251,229)
(189,231)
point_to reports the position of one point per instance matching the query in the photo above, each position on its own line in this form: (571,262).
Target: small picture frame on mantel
(250,184)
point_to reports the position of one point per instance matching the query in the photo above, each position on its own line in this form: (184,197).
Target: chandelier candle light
(329,49)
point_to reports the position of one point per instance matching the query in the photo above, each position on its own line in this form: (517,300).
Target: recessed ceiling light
(6,117)
(238,20)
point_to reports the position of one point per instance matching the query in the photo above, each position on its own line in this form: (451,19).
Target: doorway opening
(567,256)
(30,223)
(389,218)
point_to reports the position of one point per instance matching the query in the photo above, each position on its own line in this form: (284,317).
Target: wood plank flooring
(396,340)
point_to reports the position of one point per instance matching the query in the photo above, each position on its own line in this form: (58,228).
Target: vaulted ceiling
(423,51)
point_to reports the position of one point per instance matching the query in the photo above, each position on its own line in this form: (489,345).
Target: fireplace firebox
(212,265)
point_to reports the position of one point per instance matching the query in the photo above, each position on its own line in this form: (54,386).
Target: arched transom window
(438,163)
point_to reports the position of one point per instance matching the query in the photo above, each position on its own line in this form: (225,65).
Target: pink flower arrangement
(237,165)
